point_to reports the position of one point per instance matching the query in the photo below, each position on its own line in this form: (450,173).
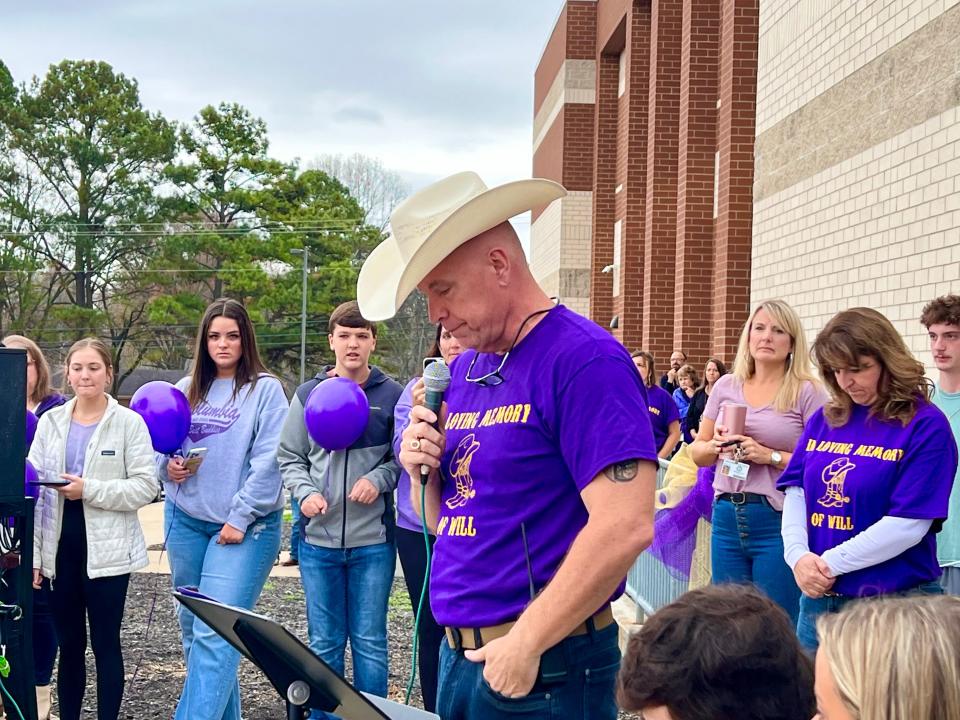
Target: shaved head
(481,291)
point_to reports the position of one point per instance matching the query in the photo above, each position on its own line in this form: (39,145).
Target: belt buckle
(742,498)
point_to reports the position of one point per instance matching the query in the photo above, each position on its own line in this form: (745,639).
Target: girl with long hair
(773,390)
(870,480)
(713,370)
(222,519)
(88,539)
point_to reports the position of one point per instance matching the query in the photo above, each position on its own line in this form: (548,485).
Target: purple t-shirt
(663,411)
(407,517)
(517,457)
(868,468)
(772,429)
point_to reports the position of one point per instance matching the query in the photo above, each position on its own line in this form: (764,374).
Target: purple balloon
(31,480)
(31,428)
(167,413)
(336,413)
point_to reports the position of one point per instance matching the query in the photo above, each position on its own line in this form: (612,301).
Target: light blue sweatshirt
(239,479)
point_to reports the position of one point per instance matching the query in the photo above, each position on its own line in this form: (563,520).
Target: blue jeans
(231,574)
(295,529)
(746,547)
(811,609)
(347,590)
(592,663)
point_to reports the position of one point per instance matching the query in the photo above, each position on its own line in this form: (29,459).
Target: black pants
(75,599)
(44,635)
(413,559)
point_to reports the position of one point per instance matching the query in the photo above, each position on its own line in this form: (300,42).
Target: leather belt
(742,498)
(476,638)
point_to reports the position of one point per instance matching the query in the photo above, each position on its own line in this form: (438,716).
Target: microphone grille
(436,376)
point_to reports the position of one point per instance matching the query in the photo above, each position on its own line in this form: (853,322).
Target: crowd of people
(535,483)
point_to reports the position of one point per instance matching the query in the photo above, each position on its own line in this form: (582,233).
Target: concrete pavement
(151,520)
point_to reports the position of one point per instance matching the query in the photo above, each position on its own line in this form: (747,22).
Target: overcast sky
(430,87)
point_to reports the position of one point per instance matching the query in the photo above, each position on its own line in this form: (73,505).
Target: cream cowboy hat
(431,224)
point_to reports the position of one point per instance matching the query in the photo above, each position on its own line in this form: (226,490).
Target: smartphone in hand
(193,459)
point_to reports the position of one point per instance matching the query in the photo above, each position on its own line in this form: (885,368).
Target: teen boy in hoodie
(347,551)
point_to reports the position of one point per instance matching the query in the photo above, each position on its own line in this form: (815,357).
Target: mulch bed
(154,657)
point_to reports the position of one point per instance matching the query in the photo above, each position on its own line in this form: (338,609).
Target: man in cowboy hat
(539,521)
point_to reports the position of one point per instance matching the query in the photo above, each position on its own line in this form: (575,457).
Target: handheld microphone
(436,380)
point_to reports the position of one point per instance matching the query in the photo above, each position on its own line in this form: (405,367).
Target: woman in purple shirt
(869,483)
(40,397)
(664,415)
(773,381)
(409,531)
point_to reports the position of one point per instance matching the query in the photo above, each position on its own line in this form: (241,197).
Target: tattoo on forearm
(622,471)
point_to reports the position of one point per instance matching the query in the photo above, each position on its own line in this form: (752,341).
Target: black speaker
(13,423)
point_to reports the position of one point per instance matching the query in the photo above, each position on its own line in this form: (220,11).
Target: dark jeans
(592,663)
(44,635)
(811,609)
(413,559)
(75,599)
(746,547)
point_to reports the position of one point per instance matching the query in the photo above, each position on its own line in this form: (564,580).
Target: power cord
(12,701)
(156,590)
(423,594)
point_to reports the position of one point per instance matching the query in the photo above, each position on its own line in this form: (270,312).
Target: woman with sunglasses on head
(869,482)
(222,518)
(773,391)
(87,538)
(41,397)
(409,532)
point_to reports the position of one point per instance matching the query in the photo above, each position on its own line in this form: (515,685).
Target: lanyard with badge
(734,467)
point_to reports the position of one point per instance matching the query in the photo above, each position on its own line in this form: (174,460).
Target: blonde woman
(773,384)
(87,538)
(890,660)
(869,483)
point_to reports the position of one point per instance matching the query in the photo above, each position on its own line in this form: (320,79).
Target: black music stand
(302,679)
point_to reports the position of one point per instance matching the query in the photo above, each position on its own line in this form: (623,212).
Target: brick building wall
(667,175)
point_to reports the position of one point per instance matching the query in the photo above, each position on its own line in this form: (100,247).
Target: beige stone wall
(881,228)
(808,46)
(857,194)
(576,82)
(560,249)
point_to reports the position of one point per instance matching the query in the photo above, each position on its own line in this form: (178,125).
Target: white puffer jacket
(119,477)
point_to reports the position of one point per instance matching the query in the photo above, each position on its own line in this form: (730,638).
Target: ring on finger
(415,444)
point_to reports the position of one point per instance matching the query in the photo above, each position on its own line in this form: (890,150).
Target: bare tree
(377,189)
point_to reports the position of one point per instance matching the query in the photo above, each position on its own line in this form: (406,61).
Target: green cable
(15,706)
(423,594)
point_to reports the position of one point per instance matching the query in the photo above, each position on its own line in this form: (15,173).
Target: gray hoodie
(307,468)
